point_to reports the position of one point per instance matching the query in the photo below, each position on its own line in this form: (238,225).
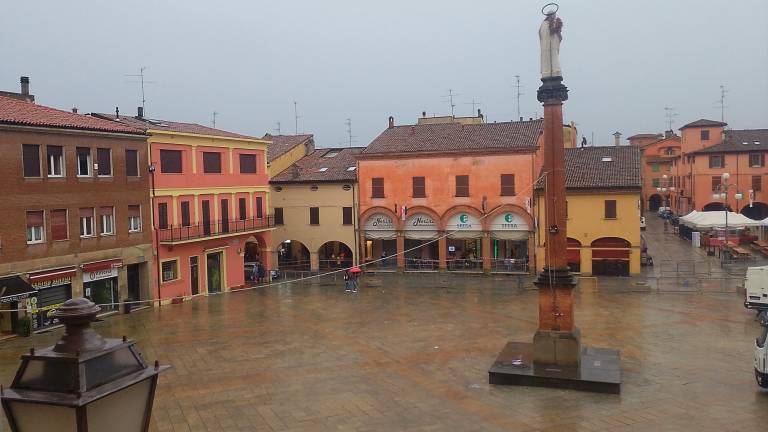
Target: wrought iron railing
(214,229)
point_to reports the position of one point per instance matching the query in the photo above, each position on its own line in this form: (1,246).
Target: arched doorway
(293,255)
(610,256)
(654,202)
(714,206)
(574,255)
(334,255)
(758,211)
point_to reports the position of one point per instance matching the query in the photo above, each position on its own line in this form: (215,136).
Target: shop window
(86,222)
(107,220)
(462,185)
(279,216)
(170,270)
(212,162)
(655,167)
(83,161)
(419,187)
(259,207)
(104,158)
(247,164)
(610,209)
(242,209)
(716,161)
(134,218)
(757,183)
(377,187)
(55,161)
(132,163)
(35,227)
(314,215)
(30,154)
(507,185)
(346,215)
(170,161)
(162,215)
(59,225)
(756,160)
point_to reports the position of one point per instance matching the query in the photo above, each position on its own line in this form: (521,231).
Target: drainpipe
(158,265)
(355,227)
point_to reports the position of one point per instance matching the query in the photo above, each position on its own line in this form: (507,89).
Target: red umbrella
(355,270)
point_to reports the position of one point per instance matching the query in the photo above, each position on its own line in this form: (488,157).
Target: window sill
(84,176)
(35,242)
(105,176)
(56,177)
(60,240)
(33,178)
(170,281)
(610,219)
(134,232)
(88,237)
(107,234)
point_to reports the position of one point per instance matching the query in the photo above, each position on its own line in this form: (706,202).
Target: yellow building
(316,213)
(603,188)
(284,150)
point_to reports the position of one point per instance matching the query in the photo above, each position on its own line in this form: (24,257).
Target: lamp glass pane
(122,411)
(57,376)
(31,417)
(109,367)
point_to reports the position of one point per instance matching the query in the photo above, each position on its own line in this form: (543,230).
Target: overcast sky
(624,61)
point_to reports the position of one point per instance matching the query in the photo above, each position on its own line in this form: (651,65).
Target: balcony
(214,229)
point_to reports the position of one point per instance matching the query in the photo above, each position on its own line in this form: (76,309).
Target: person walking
(353,274)
(346,281)
(261,271)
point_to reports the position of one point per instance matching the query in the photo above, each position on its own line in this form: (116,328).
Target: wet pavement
(412,353)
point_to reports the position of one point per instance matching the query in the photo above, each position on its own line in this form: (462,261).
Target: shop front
(53,287)
(464,242)
(13,292)
(510,233)
(421,249)
(100,283)
(380,240)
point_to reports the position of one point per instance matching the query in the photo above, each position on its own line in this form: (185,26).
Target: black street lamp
(83,383)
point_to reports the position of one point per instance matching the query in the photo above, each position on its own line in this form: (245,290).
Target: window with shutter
(610,209)
(259,207)
(462,185)
(104,157)
(212,162)
(314,215)
(716,180)
(756,160)
(716,161)
(132,163)
(134,218)
(757,183)
(705,135)
(279,216)
(346,215)
(59,226)
(107,220)
(55,161)
(507,185)
(35,227)
(419,187)
(242,209)
(185,215)
(170,161)
(162,215)
(83,161)
(377,187)
(247,164)
(30,154)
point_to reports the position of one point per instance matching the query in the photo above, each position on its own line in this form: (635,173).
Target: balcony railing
(215,229)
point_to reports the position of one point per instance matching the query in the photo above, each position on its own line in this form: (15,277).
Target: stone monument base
(598,369)
(557,347)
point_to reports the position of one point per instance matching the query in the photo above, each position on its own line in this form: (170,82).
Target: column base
(561,348)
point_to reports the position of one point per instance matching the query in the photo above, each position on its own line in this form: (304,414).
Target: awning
(509,226)
(420,226)
(47,275)
(102,265)
(14,288)
(379,226)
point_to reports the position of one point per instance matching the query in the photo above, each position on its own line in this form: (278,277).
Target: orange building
(708,151)
(471,181)
(656,170)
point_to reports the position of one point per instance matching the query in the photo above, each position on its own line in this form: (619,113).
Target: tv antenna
(518,94)
(141,80)
(474,104)
(349,131)
(721,103)
(670,113)
(450,97)
(277,129)
(214,119)
(296,116)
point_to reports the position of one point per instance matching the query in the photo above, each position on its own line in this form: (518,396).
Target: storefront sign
(51,283)
(379,222)
(464,221)
(509,226)
(420,221)
(99,274)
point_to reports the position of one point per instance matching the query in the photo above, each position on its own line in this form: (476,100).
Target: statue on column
(550,36)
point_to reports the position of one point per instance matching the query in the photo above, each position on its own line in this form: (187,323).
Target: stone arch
(293,255)
(379,209)
(422,209)
(654,202)
(514,208)
(335,254)
(714,206)
(461,208)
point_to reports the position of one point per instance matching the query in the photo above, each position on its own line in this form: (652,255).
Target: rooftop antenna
(518,94)
(450,97)
(721,103)
(349,130)
(296,116)
(474,104)
(670,113)
(214,119)
(277,129)
(142,81)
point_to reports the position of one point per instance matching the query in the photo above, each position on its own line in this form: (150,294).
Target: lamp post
(721,192)
(665,188)
(83,383)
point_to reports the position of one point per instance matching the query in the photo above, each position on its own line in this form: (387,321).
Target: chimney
(669,134)
(479,113)
(140,111)
(617,138)
(424,114)
(117,113)
(413,130)
(521,119)
(391,122)
(74,110)
(25,86)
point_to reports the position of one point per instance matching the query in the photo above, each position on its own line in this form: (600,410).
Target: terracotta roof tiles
(322,165)
(743,140)
(704,123)
(170,126)
(282,144)
(601,168)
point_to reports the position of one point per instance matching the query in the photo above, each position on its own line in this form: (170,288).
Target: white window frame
(90,165)
(134,224)
(39,230)
(51,159)
(83,226)
(111,218)
(162,275)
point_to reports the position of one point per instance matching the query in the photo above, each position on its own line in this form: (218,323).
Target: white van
(756,288)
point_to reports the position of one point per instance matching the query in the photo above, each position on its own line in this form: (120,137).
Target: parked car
(662,211)
(642,222)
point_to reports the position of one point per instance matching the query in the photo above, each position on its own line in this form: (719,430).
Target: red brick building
(75,211)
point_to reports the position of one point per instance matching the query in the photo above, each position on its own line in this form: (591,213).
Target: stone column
(314,261)
(487,252)
(557,340)
(400,250)
(442,251)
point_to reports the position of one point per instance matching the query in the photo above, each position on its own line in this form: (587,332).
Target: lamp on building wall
(83,383)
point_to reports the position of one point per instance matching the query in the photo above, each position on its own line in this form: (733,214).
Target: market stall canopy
(689,216)
(716,219)
(14,288)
